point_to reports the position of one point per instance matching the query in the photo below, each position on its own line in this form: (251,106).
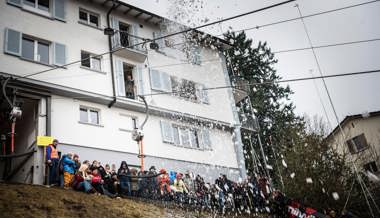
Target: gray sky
(350,95)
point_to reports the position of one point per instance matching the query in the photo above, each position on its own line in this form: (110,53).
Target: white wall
(79,37)
(66,128)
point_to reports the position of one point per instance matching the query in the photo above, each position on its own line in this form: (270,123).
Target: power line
(278,81)
(306,16)
(166,36)
(326,46)
(263,83)
(294,19)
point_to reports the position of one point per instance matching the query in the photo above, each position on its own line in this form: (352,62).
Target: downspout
(111,55)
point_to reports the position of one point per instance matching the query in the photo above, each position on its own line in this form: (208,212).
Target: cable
(306,16)
(279,81)
(261,83)
(362,184)
(296,18)
(165,36)
(326,46)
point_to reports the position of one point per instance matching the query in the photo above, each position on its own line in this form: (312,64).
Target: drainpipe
(111,55)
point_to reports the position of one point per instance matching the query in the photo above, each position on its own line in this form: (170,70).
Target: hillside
(19,200)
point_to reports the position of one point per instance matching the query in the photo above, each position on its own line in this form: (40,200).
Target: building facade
(360,141)
(91,105)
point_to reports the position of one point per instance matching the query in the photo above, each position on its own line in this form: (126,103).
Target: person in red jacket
(164,182)
(97,182)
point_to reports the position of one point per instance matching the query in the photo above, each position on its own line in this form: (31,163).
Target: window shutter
(59,54)
(15,2)
(59,9)
(197,56)
(155,79)
(12,44)
(205,139)
(167,131)
(119,74)
(134,40)
(202,94)
(160,42)
(166,82)
(140,83)
(115,39)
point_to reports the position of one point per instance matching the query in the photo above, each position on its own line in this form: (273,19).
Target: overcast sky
(350,95)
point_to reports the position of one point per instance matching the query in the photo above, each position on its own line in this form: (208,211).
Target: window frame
(92,57)
(134,122)
(36,41)
(89,118)
(353,146)
(88,22)
(183,129)
(36,9)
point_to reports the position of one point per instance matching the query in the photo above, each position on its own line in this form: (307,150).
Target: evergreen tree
(274,113)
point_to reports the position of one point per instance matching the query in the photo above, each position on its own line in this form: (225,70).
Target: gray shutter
(166,82)
(205,139)
(134,40)
(59,9)
(155,79)
(202,94)
(119,74)
(12,42)
(160,42)
(140,83)
(197,55)
(15,2)
(115,39)
(59,54)
(167,131)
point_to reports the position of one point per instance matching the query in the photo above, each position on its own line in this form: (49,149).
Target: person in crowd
(60,171)
(189,183)
(179,188)
(52,159)
(164,183)
(68,170)
(134,182)
(113,169)
(97,182)
(109,180)
(172,176)
(77,162)
(95,165)
(124,176)
(82,180)
(152,183)
(143,184)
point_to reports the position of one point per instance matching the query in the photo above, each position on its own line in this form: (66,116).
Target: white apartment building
(90,107)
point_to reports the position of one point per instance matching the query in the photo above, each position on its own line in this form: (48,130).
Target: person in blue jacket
(68,170)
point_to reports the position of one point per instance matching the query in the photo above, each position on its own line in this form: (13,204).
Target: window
(30,48)
(38,4)
(357,144)
(89,18)
(160,81)
(189,90)
(124,34)
(35,50)
(91,61)
(129,81)
(185,136)
(127,123)
(89,115)
(371,166)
